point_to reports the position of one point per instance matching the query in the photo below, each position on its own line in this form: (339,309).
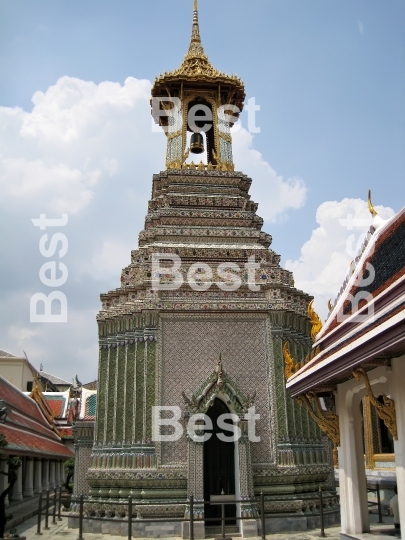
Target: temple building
(32,434)
(352,382)
(199,323)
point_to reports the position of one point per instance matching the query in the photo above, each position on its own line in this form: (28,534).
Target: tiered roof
(58,403)
(367,324)
(26,429)
(196,68)
(205,217)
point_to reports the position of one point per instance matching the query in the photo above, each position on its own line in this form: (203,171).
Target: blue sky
(329,76)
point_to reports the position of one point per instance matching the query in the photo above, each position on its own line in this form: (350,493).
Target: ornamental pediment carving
(220,384)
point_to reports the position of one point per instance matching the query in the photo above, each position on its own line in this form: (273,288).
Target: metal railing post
(191,517)
(80,537)
(39,515)
(60,504)
(321,512)
(380,519)
(262,516)
(223,521)
(46,528)
(129,517)
(54,507)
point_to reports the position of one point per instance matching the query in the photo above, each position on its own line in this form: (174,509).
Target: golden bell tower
(197,98)
(202,285)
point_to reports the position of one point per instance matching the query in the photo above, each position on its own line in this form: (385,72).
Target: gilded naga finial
(386,410)
(315,321)
(289,369)
(370,205)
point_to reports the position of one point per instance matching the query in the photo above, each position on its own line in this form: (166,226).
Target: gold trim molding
(386,410)
(327,421)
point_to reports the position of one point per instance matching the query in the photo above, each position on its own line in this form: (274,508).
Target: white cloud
(88,150)
(326,256)
(109,260)
(275,194)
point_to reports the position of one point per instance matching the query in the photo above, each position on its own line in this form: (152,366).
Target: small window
(29,386)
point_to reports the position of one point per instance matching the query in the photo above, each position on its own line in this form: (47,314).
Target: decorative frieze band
(123,343)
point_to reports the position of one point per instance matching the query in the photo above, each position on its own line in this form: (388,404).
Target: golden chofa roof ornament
(196,71)
(371,208)
(316,323)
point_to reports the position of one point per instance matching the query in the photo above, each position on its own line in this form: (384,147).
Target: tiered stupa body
(160,345)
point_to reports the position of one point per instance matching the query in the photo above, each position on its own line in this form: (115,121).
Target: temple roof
(26,428)
(4,354)
(88,404)
(367,323)
(53,379)
(57,402)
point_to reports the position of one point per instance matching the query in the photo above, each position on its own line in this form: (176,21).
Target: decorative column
(84,435)
(245,488)
(18,486)
(62,473)
(4,478)
(45,474)
(368,433)
(38,476)
(195,485)
(352,475)
(57,474)
(52,484)
(29,478)
(397,393)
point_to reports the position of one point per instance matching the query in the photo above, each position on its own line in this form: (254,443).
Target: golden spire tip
(370,204)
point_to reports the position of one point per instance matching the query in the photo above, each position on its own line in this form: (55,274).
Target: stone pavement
(61,531)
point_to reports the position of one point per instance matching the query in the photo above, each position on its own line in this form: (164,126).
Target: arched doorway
(219,466)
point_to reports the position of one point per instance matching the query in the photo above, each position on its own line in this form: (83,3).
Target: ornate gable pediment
(218,384)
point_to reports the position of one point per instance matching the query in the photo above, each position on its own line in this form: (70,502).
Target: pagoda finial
(195,33)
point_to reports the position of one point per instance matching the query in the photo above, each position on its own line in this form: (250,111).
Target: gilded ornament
(328,421)
(371,208)
(386,410)
(315,321)
(290,367)
(219,372)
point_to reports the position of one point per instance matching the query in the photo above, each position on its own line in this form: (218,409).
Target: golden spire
(370,204)
(196,67)
(195,48)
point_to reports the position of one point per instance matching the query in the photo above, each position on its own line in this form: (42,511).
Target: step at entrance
(215,532)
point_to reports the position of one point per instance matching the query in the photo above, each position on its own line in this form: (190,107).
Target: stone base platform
(162,529)
(279,523)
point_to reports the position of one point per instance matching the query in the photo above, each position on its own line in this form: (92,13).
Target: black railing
(58,500)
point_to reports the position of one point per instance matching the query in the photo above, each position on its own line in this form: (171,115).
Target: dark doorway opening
(219,466)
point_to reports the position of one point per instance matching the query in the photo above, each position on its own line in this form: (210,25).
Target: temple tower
(199,323)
